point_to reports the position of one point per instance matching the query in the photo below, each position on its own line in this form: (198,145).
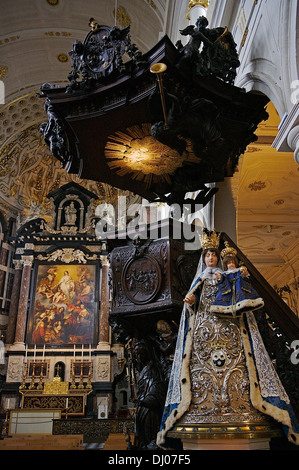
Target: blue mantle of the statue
(235,294)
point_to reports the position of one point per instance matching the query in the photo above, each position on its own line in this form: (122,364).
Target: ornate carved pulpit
(116,123)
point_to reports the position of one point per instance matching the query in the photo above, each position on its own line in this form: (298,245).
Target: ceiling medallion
(62,57)
(139,153)
(257,186)
(53,3)
(279,202)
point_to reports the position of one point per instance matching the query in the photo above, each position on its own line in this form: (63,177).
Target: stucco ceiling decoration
(28,172)
(266,198)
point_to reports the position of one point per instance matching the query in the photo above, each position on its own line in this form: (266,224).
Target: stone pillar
(196,8)
(23,302)
(105,303)
(14,303)
(225,212)
(3,254)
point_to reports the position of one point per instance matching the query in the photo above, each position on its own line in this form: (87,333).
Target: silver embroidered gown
(220,405)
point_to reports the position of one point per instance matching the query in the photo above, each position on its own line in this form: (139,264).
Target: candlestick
(34,353)
(90,352)
(74,351)
(44,348)
(82,351)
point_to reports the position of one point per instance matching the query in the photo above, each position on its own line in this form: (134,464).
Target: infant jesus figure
(235,292)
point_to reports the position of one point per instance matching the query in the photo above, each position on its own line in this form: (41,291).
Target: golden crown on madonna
(210,240)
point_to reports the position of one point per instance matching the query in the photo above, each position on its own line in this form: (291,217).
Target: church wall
(266,36)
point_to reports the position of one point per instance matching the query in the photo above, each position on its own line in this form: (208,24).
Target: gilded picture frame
(64,305)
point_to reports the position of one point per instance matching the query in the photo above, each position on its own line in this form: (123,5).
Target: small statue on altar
(70,214)
(235,292)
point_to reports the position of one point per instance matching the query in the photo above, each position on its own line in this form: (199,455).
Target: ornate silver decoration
(219,376)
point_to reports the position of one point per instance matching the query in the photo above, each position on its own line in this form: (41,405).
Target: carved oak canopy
(159,134)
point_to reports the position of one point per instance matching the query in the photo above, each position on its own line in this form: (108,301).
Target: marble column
(23,302)
(105,302)
(14,302)
(3,255)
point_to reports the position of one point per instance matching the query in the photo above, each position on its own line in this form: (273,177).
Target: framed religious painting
(64,305)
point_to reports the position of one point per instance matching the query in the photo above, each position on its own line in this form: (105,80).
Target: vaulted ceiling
(36,36)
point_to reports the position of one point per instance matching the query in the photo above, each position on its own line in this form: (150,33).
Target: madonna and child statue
(223,384)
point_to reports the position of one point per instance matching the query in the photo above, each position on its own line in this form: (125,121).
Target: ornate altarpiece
(58,321)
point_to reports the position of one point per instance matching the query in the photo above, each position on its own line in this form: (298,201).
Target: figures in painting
(64,307)
(67,286)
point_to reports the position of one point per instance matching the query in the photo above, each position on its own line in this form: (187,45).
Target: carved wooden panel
(150,277)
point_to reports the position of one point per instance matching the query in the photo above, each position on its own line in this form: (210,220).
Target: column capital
(27,260)
(17,263)
(104,260)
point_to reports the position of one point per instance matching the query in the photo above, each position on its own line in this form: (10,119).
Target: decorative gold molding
(10,39)
(3,71)
(257,186)
(53,3)
(122,17)
(62,57)
(67,255)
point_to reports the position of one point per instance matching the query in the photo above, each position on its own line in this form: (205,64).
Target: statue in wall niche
(209,51)
(70,213)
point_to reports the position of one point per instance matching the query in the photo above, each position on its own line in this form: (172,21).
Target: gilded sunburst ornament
(137,152)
